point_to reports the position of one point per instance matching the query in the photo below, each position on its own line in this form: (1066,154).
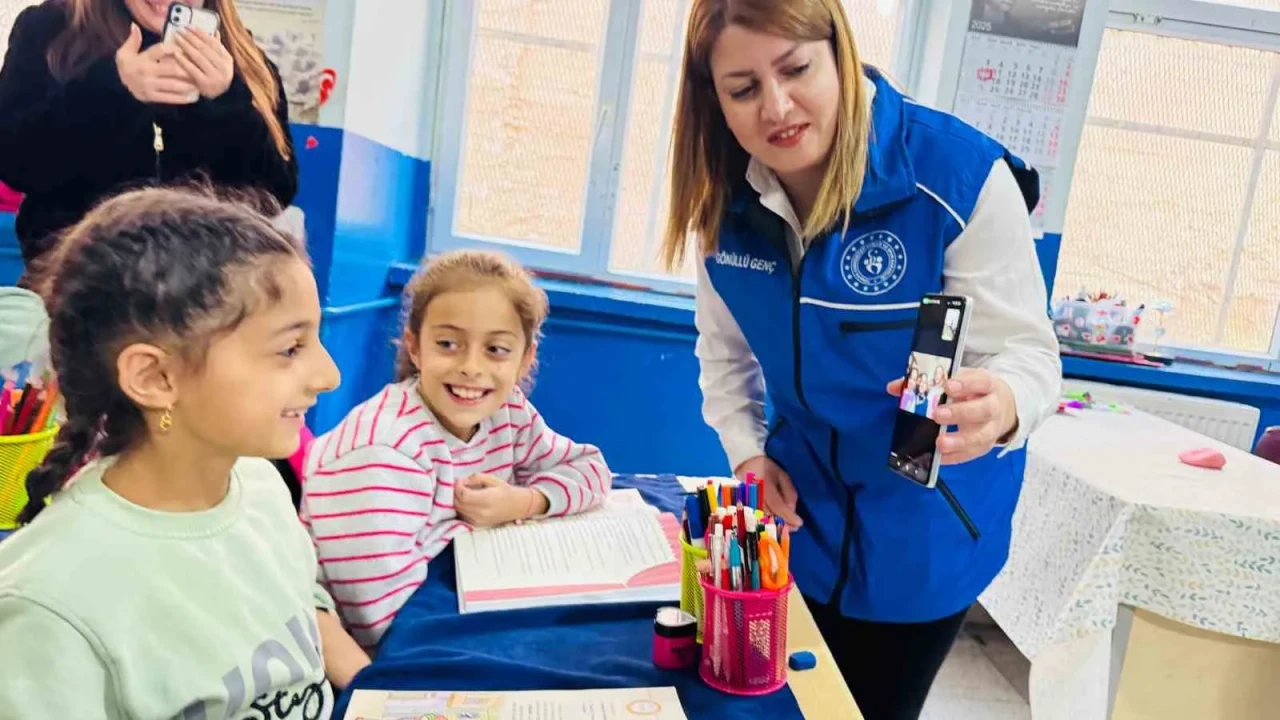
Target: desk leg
(1119,646)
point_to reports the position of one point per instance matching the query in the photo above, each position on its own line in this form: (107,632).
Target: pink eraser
(1203,457)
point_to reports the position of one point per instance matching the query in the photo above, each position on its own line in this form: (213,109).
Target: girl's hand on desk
(485,501)
(982,409)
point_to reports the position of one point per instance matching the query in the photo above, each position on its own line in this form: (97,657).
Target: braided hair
(169,267)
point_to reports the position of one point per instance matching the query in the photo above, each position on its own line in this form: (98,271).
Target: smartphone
(935,355)
(182,15)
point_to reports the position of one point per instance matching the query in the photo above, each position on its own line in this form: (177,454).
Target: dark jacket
(69,145)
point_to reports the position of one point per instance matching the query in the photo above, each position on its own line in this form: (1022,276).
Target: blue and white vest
(831,333)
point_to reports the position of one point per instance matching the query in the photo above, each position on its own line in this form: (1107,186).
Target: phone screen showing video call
(933,353)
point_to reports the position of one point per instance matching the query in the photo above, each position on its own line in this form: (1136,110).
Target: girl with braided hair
(169,575)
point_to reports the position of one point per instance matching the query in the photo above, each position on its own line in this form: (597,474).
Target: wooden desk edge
(821,692)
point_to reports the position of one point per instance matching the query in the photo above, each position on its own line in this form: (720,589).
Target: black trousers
(889,667)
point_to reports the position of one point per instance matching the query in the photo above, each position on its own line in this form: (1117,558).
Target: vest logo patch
(746,262)
(874,264)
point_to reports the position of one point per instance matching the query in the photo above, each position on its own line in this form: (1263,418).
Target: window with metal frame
(1176,190)
(555,128)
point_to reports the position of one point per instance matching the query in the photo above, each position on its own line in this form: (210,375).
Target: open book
(647,703)
(623,551)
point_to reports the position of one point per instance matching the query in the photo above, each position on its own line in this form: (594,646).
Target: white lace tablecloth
(1109,516)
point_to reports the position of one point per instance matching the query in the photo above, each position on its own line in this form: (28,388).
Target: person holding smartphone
(824,206)
(92,102)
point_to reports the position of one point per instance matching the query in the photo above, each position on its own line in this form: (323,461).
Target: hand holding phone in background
(981,407)
(193,32)
(205,61)
(937,394)
(153,75)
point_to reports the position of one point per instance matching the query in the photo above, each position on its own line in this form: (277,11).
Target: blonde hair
(706,158)
(252,63)
(468,270)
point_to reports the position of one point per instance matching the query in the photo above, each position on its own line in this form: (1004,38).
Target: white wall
(391,77)
(337,55)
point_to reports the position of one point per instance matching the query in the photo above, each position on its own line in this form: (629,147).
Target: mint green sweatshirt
(109,610)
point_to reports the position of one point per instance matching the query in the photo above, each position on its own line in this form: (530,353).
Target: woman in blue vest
(824,204)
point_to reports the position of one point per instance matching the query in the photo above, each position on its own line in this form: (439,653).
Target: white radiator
(1232,423)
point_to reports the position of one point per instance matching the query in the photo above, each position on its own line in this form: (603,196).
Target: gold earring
(166,421)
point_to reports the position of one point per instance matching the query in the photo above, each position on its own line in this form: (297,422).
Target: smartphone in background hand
(182,15)
(935,355)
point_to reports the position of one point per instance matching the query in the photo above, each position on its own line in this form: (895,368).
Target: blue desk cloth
(429,646)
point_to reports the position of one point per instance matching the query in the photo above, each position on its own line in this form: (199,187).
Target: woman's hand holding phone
(154,75)
(982,408)
(206,62)
(779,493)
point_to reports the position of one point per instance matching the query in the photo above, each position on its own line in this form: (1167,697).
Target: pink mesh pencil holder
(744,639)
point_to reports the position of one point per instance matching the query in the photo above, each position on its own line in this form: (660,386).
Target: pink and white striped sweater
(378,493)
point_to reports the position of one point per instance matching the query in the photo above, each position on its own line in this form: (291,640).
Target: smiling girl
(167,576)
(453,444)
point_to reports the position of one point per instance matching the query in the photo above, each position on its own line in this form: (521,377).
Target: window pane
(569,21)
(1183,84)
(9,10)
(1252,314)
(641,209)
(530,120)
(1154,217)
(873,31)
(642,197)
(1255,4)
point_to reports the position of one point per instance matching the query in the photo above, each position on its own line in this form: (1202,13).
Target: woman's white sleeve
(730,377)
(994,262)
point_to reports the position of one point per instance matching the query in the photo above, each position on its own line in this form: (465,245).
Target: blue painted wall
(1047,249)
(627,385)
(319,152)
(378,219)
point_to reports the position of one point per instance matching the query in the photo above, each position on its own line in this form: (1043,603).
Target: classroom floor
(984,678)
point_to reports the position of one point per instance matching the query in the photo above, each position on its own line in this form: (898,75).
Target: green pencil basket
(690,583)
(19,455)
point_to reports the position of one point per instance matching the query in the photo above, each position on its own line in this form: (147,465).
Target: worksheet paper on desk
(622,552)
(629,499)
(647,703)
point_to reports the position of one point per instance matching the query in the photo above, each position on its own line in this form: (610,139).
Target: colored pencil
(41,422)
